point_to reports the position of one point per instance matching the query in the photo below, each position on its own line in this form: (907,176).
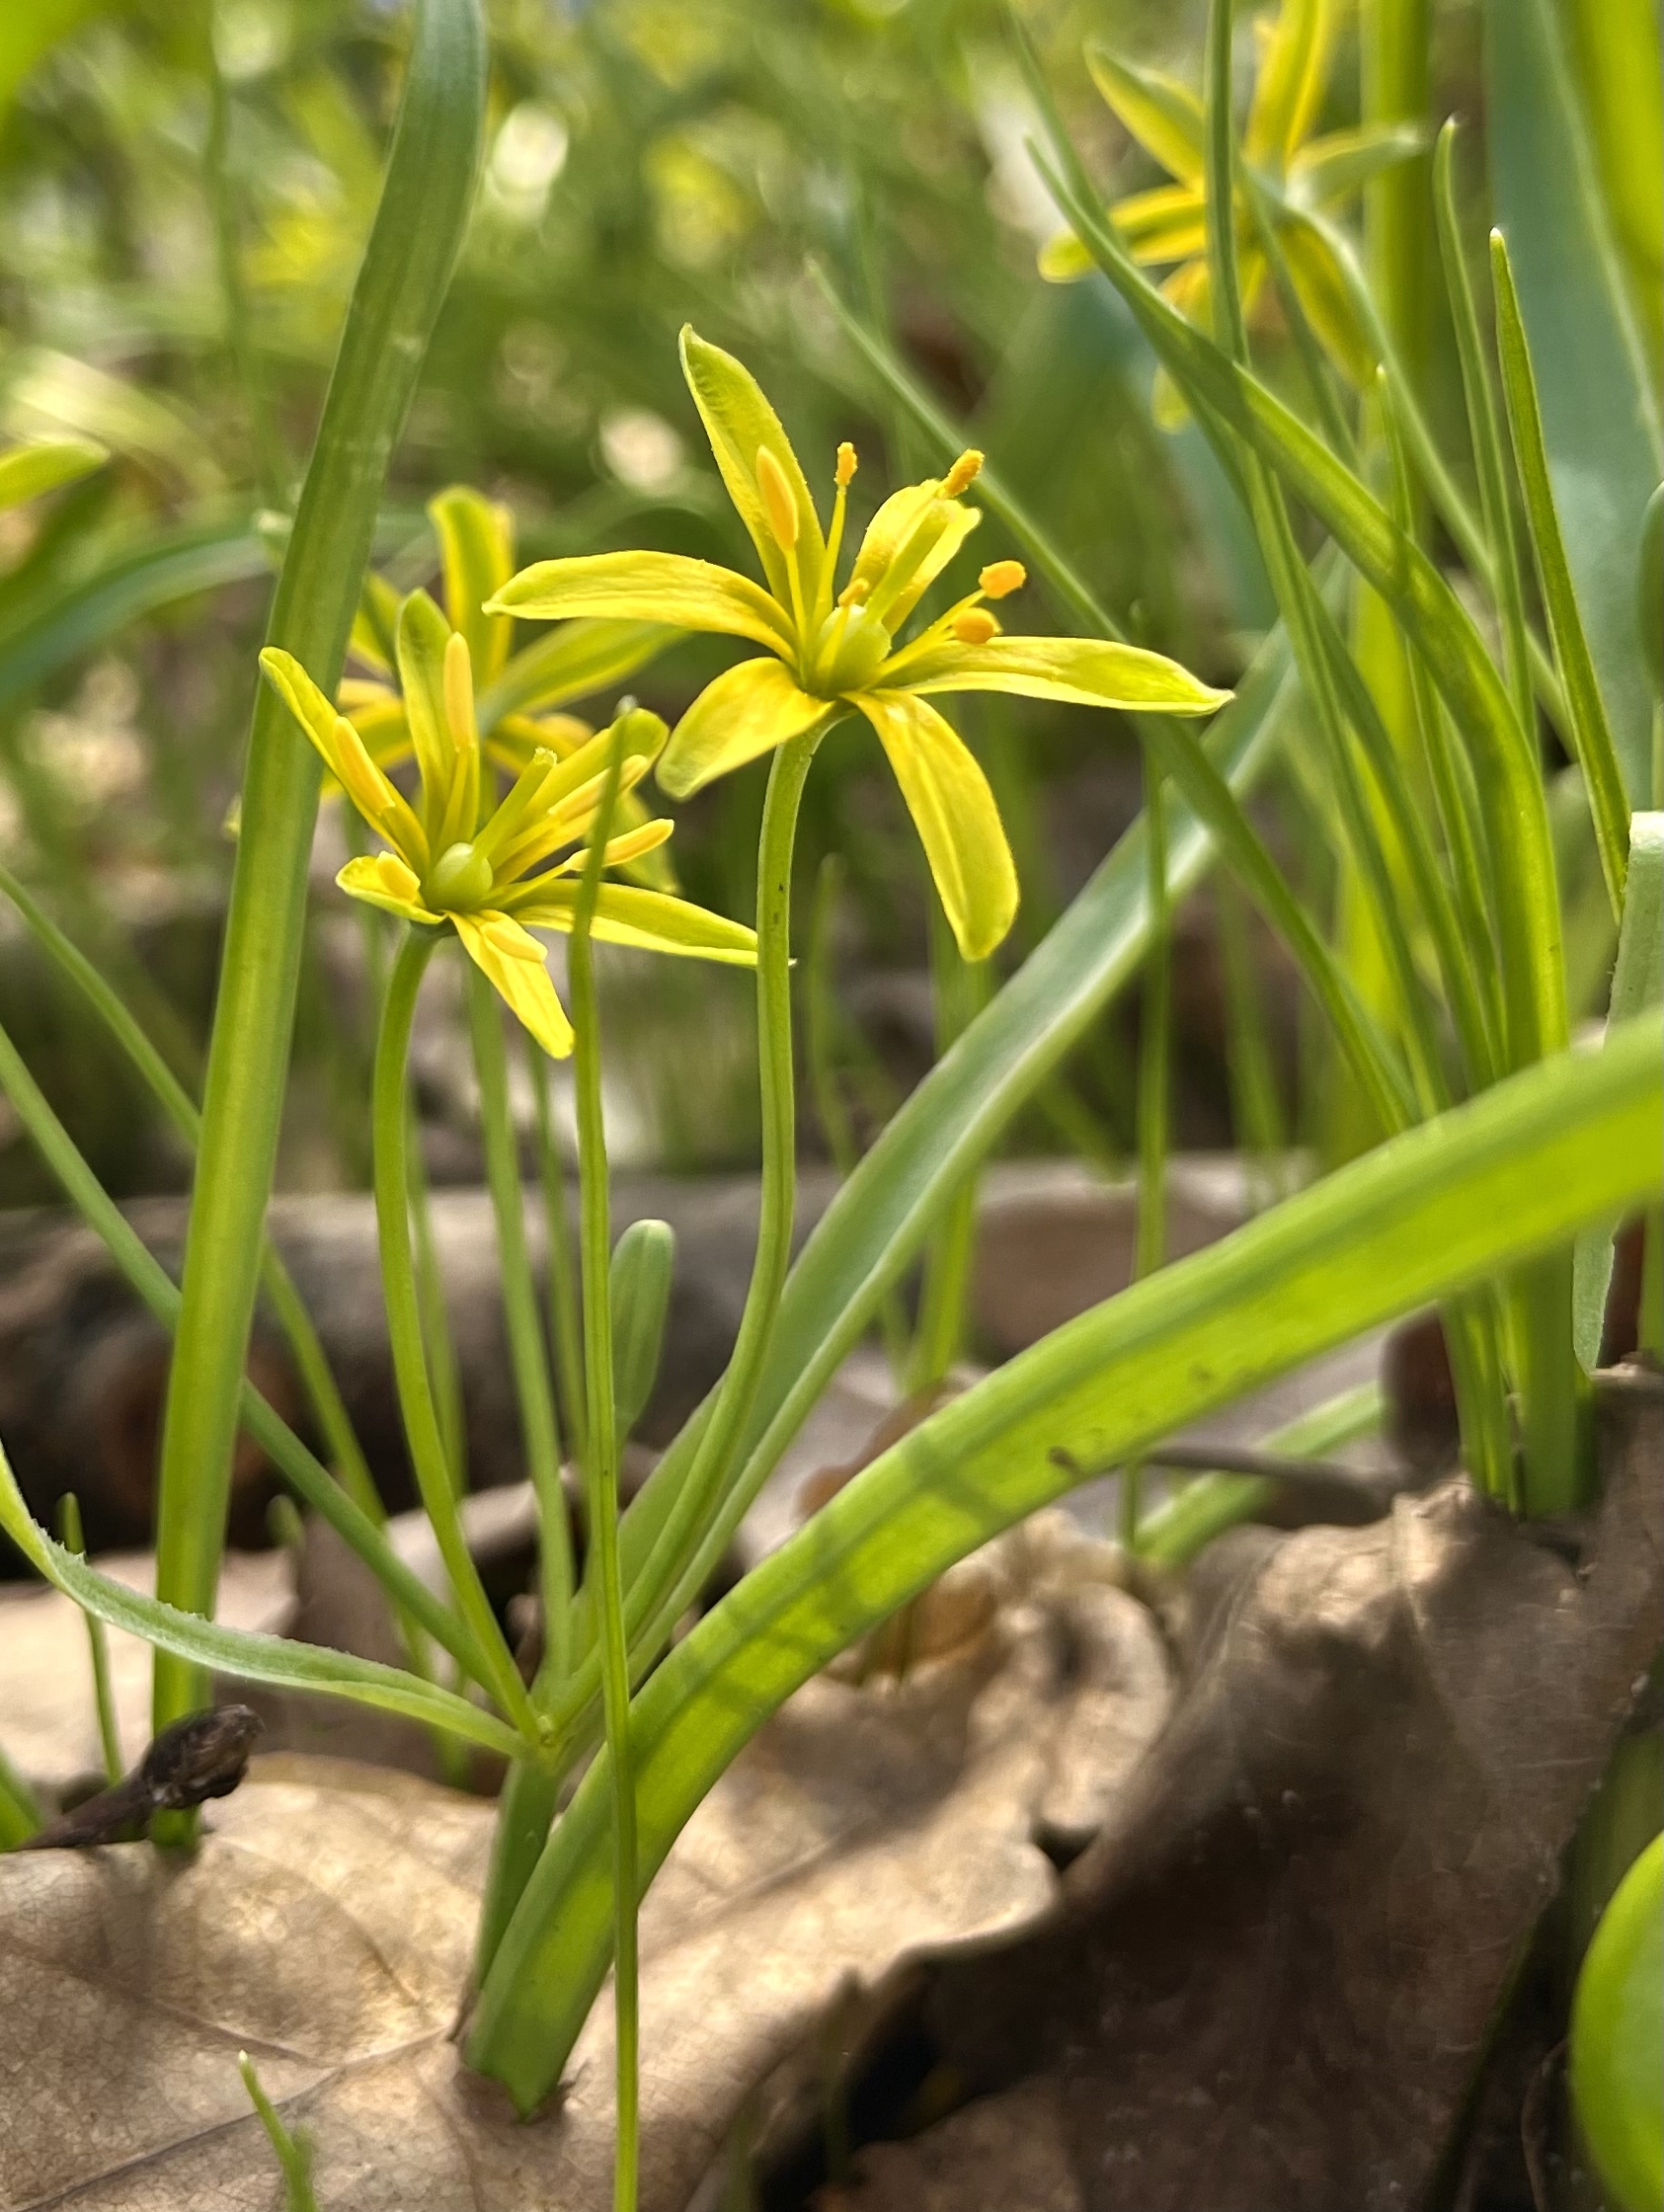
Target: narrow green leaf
(1486,1186)
(1594,379)
(1424,603)
(236,1651)
(49,628)
(1591,732)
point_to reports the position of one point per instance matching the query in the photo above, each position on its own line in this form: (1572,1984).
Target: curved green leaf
(237,1651)
(1448,1204)
(26,471)
(51,628)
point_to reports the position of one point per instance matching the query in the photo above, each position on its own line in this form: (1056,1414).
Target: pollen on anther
(777,502)
(974,626)
(847,464)
(963,474)
(1002,578)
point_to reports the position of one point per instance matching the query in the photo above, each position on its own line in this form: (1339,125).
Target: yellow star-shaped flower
(490,879)
(827,649)
(1303,180)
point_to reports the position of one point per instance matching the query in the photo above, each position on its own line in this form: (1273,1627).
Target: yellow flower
(491,881)
(1303,179)
(826,648)
(517,693)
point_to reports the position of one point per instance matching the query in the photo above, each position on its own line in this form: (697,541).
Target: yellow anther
(847,464)
(459,690)
(855,592)
(962,475)
(974,626)
(777,502)
(1002,578)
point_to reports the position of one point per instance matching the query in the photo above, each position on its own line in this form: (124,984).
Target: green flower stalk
(830,649)
(489,880)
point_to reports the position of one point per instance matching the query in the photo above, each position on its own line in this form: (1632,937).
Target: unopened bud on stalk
(777,502)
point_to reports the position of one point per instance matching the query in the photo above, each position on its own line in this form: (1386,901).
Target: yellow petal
(574,662)
(1169,223)
(746,711)
(1063,260)
(1328,170)
(648,587)
(954,812)
(739,421)
(648,921)
(1294,74)
(1163,115)
(1321,284)
(891,538)
(477,554)
(423,636)
(345,754)
(515,962)
(517,737)
(1085,672)
(383,880)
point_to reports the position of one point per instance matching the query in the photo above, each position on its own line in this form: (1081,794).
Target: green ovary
(459,881)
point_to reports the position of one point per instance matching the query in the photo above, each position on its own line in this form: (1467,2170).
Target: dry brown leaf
(1006,2153)
(1277,1965)
(325,1926)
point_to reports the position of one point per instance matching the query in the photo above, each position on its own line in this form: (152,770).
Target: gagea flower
(1302,179)
(830,648)
(491,872)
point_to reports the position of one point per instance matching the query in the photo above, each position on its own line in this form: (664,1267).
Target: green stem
(424,204)
(1149,1249)
(390,1121)
(20,1809)
(960,989)
(98,1646)
(539,1432)
(565,1321)
(600,1471)
(820,1043)
(736,1393)
(1256,1109)
(437,1343)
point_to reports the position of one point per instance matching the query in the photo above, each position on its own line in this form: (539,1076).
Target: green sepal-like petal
(1085,672)
(572,663)
(477,555)
(1293,75)
(648,921)
(421,637)
(384,880)
(1063,260)
(1163,115)
(746,711)
(26,471)
(1167,224)
(1313,262)
(1330,169)
(666,587)
(514,962)
(738,421)
(345,754)
(954,812)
